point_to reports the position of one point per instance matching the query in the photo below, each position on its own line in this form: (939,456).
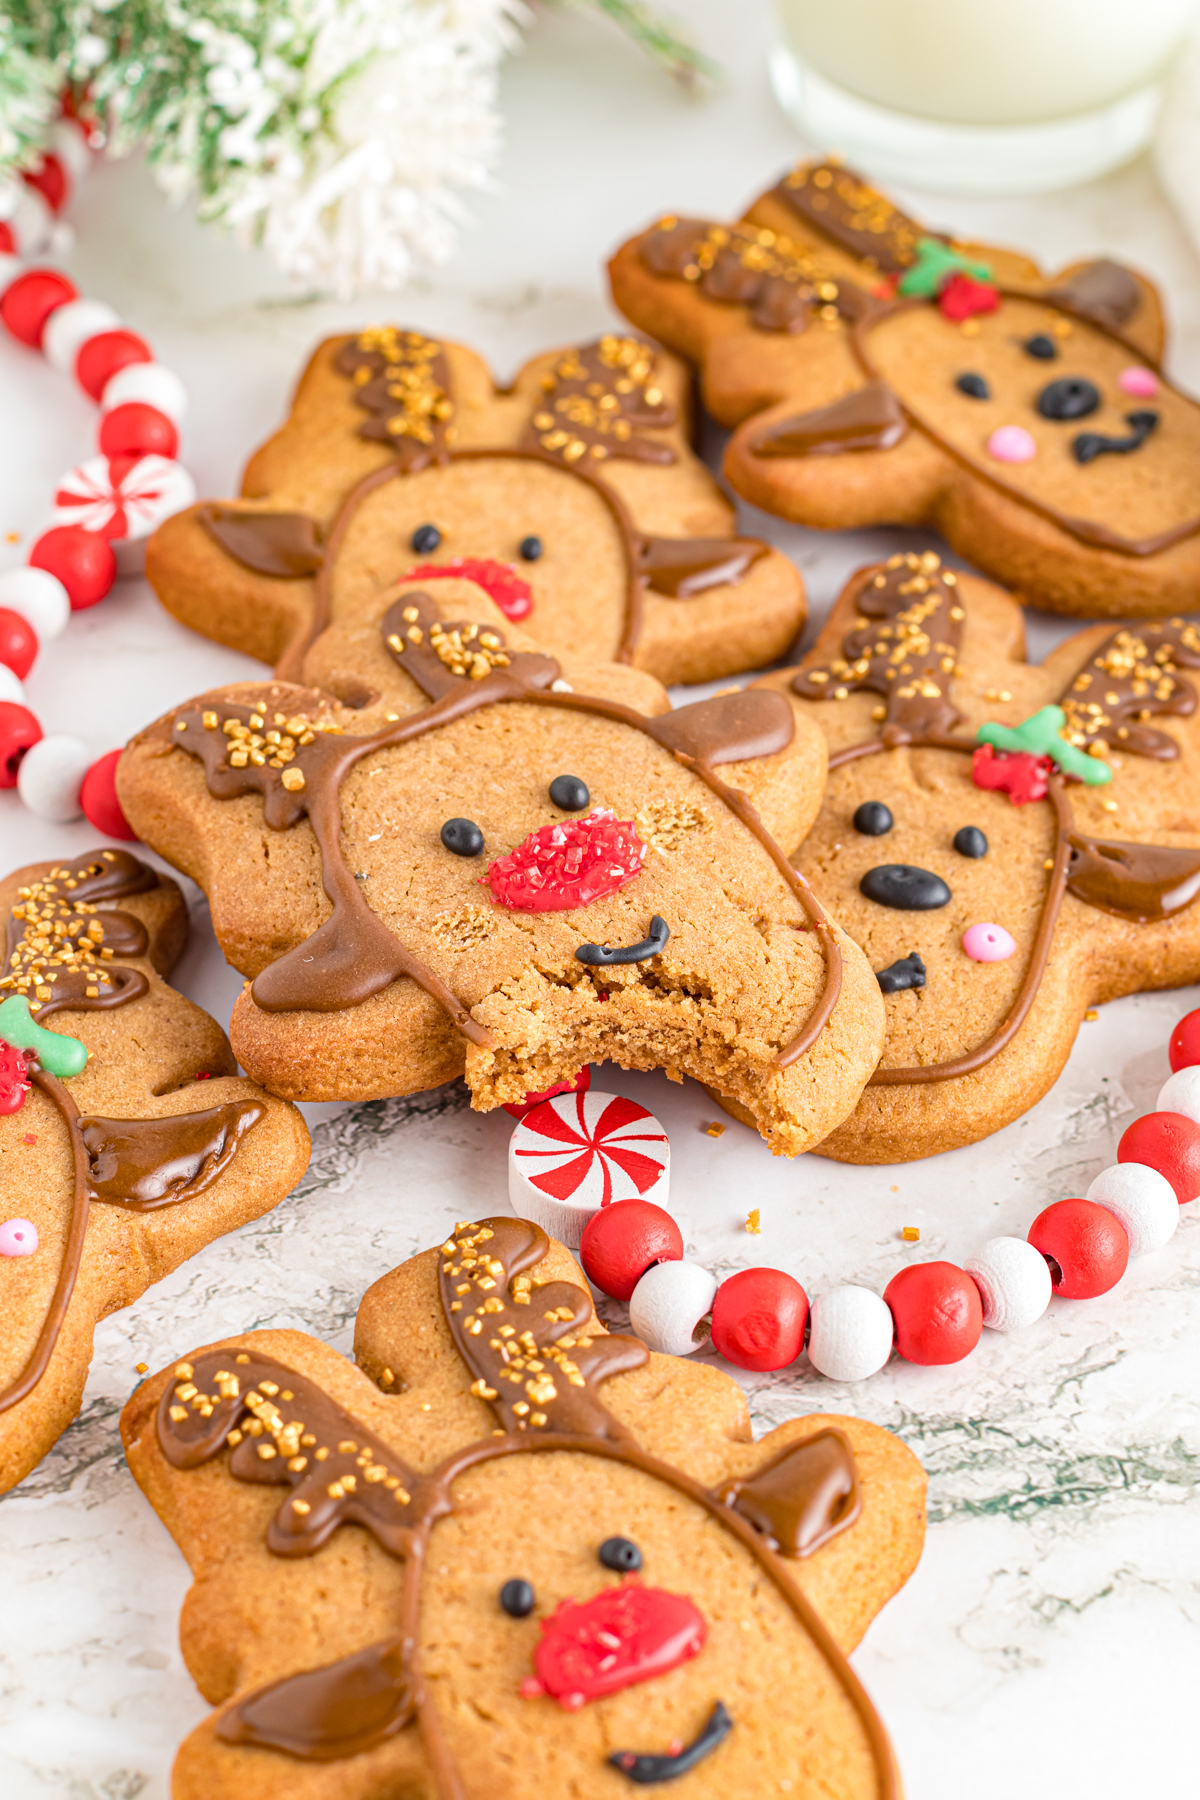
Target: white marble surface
(1047,1645)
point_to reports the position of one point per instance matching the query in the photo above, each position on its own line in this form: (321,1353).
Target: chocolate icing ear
(146,1163)
(680,567)
(871,418)
(729,727)
(1145,882)
(802,1497)
(283,544)
(1106,291)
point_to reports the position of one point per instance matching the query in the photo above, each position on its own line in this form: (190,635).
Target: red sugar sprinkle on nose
(621,1635)
(499,581)
(567,864)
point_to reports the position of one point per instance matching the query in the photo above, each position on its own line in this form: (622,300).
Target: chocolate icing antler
(599,399)
(59,943)
(402,379)
(1133,675)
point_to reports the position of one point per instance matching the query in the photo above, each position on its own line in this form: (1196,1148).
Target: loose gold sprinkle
(752,1223)
(714,1129)
(911,1234)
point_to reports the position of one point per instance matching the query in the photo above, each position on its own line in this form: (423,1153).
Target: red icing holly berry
(98,799)
(83,561)
(579,1084)
(567,864)
(50,180)
(136,430)
(1020,775)
(1184,1047)
(14,1080)
(19,731)
(758,1319)
(937,1311)
(18,642)
(499,581)
(27,303)
(963,296)
(621,1635)
(1085,1245)
(1170,1143)
(623,1240)
(102,355)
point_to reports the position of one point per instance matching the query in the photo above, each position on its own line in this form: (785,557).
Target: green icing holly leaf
(58,1055)
(1040,735)
(935,263)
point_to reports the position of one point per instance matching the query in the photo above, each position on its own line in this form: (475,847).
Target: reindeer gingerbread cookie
(500,865)
(572,497)
(575,1573)
(877,373)
(127,1139)
(1010,845)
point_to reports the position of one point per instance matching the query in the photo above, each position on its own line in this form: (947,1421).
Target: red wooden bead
(937,1312)
(1184,1047)
(98,799)
(622,1241)
(8,243)
(27,303)
(18,642)
(1085,1245)
(758,1319)
(102,355)
(1170,1143)
(19,731)
(82,560)
(50,180)
(137,430)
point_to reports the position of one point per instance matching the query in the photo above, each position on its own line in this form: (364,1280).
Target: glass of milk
(978,96)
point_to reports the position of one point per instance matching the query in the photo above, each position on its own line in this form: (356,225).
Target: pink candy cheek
(988,943)
(1141,383)
(18,1237)
(1011,444)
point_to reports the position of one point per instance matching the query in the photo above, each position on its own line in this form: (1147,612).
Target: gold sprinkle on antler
(1134,675)
(599,400)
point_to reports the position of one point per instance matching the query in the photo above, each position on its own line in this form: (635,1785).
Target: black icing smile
(651,945)
(645,1769)
(904,887)
(1091,444)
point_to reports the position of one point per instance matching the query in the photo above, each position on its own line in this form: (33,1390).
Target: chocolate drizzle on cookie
(1132,676)
(60,942)
(598,401)
(402,381)
(782,283)
(516,1337)
(143,1164)
(853,215)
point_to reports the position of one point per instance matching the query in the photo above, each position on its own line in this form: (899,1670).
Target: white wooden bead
(50,776)
(1181,1094)
(10,267)
(30,221)
(578,1152)
(667,1305)
(39,597)
(150,383)
(68,140)
(10,686)
(850,1336)
(1143,1200)
(69,327)
(1013,1281)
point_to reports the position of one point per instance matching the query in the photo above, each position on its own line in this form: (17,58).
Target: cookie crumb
(203,1075)
(1091,1015)
(752,1223)
(911,1234)
(714,1129)
(387,1379)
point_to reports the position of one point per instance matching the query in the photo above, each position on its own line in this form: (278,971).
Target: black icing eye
(517,1598)
(873,818)
(462,836)
(569,793)
(974,386)
(970,841)
(425,539)
(620,1554)
(1041,347)
(530,549)
(1071,397)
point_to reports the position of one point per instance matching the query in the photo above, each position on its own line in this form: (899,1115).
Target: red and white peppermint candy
(577,1152)
(122,498)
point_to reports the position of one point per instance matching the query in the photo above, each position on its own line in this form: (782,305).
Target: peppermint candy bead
(578,1152)
(668,1304)
(1013,1281)
(123,502)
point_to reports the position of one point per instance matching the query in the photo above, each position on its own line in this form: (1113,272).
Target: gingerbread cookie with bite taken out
(877,373)
(572,498)
(506,867)
(127,1139)
(1009,844)
(566,1546)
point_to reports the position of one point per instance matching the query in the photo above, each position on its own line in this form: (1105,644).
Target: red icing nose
(567,864)
(622,1635)
(1021,776)
(499,581)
